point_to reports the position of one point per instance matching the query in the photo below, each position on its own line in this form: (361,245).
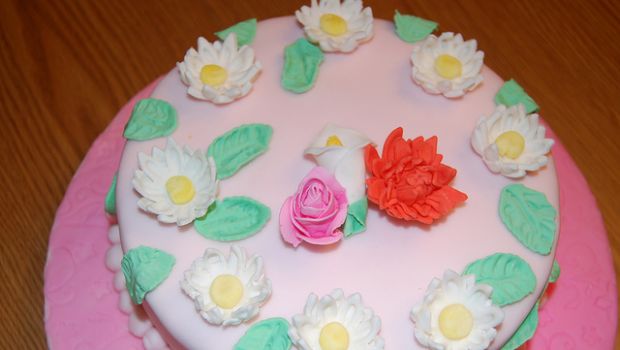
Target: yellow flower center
(333,141)
(226,291)
(448,66)
(180,189)
(213,75)
(333,25)
(510,144)
(455,322)
(334,336)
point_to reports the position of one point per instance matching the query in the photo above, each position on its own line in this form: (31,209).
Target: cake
(344,183)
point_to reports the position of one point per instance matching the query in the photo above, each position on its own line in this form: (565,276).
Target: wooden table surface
(66,67)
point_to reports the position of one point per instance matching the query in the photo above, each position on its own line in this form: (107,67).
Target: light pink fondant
(315,213)
(390,264)
(81,304)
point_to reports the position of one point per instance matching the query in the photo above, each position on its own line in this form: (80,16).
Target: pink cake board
(81,304)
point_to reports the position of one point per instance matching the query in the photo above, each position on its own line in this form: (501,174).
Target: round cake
(237,226)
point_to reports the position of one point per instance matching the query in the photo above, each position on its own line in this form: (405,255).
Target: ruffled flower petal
(409,181)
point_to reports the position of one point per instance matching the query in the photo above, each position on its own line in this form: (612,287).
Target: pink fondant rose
(316,212)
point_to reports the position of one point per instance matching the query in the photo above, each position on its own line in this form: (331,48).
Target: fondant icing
(370,90)
(586,293)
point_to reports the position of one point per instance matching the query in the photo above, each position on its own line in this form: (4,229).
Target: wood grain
(66,67)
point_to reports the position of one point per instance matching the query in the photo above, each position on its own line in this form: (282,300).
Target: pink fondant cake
(391,264)
(435,206)
(585,295)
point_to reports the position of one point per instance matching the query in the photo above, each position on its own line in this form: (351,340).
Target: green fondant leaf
(510,276)
(555,272)
(238,147)
(356,217)
(145,268)
(529,217)
(246,31)
(110,197)
(411,28)
(151,118)
(269,334)
(301,66)
(525,331)
(232,219)
(511,93)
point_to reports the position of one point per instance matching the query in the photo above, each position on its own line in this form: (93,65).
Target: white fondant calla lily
(341,151)
(511,142)
(336,322)
(447,65)
(227,290)
(456,314)
(336,26)
(177,184)
(219,72)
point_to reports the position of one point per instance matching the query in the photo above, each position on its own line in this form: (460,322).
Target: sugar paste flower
(341,152)
(511,142)
(227,291)
(177,184)
(316,212)
(336,322)
(219,72)
(335,26)
(456,314)
(446,65)
(409,181)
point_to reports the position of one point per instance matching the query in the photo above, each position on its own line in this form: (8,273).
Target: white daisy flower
(178,185)
(335,26)
(219,72)
(227,291)
(446,65)
(511,142)
(456,314)
(336,323)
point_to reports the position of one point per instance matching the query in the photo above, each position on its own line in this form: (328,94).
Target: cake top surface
(392,263)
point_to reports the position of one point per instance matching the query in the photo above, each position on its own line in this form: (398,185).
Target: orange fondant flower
(409,181)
